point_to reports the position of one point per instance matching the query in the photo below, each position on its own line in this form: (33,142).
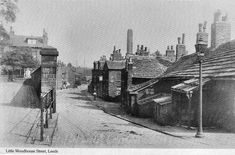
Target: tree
(17,59)
(8,10)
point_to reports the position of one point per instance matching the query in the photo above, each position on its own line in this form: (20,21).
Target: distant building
(220,30)
(33,42)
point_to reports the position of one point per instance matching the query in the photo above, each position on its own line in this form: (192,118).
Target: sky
(84,30)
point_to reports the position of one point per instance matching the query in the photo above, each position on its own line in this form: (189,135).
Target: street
(81,124)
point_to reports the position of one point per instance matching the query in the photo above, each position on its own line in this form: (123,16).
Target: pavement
(20,122)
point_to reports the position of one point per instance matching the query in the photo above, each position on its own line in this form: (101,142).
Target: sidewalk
(213,137)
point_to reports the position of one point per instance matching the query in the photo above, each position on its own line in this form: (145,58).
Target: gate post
(48,71)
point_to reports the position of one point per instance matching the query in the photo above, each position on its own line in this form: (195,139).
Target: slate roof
(217,63)
(115,65)
(21,41)
(148,67)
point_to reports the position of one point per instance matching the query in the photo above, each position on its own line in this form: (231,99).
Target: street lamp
(201,46)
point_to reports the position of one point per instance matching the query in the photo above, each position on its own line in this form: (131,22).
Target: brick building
(220,30)
(112,79)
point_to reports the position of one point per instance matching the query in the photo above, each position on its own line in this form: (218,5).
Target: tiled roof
(116,65)
(147,68)
(217,63)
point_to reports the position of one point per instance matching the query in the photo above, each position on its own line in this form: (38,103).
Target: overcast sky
(90,28)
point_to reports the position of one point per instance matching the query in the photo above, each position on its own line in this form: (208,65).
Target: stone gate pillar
(48,72)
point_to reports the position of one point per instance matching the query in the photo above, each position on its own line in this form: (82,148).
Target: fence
(47,101)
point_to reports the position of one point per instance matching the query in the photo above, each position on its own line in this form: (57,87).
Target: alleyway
(81,124)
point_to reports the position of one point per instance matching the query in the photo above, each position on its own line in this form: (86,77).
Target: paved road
(81,124)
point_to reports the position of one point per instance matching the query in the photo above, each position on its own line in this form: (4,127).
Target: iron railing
(47,104)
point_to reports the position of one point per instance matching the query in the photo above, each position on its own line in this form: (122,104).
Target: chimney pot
(145,49)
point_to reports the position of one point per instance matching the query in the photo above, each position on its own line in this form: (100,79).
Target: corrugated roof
(116,65)
(189,85)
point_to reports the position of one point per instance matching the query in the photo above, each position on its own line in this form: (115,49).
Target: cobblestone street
(81,123)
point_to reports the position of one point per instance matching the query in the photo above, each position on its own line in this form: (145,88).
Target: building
(220,29)
(180,82)
(96,85)
(112,79)
(30,44)
(139,70)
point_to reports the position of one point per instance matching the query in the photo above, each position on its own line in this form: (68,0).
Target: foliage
(8,10)
(19,58)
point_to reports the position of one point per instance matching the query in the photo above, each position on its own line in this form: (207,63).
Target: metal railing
(47,104)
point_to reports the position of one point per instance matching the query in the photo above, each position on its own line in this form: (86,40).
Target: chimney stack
(145,49)
(168,47)
(142,47)
(129,41)
(183,36)
(178,40)
(171,47)
(114,48)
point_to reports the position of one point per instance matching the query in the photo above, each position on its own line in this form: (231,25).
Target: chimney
(142,47)
(129,70)
(119,50)
(178,40)
(168,47)
(138,47)
(11,31)
(145,49)
(45,37)
(172,48)
(129,41)
(114,48)
(183,36)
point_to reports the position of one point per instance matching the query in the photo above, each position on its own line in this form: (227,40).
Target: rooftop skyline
(89,28)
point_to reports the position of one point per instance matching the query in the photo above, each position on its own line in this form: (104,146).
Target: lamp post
(201,46)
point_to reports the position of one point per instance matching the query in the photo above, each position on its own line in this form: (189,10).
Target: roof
(115,65)
(21,41)
(188,85)
(217,63)
(148,67)
(152,98)
(166,99)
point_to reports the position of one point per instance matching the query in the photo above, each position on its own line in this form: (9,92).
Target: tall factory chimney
(129,41)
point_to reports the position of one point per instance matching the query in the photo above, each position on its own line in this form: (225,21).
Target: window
(32,41)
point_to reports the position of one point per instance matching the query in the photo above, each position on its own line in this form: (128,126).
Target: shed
(162,110)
